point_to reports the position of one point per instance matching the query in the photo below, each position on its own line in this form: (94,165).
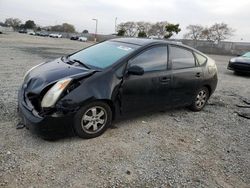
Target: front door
(151,90)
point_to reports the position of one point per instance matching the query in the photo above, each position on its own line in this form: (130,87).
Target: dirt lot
(177,148)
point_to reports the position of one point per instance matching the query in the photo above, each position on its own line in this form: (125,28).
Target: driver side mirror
(135,70)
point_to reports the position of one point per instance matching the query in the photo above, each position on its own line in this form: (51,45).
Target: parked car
(240,63)
(55,35)
(31,33)
(22,31)
(74,38)
(42,33)
(83,39)
(87,90)
(154,37)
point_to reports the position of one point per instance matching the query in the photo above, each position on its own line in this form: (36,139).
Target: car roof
(147,41)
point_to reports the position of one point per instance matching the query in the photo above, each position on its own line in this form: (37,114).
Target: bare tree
(13,22)
(130,28)
(217,32)
(207,34)
(221,31)
(158,29)
(194,32)
(143,27)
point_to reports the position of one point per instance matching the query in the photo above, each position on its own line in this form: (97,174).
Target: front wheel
(92,120)
(200,99)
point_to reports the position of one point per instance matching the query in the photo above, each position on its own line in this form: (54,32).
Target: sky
(81,12)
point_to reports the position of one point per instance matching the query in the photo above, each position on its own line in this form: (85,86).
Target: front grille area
(241,66)
(35,100)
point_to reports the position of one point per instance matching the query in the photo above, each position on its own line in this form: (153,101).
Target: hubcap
(94,119)
(201,99)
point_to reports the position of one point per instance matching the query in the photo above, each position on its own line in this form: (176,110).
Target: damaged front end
(38,104)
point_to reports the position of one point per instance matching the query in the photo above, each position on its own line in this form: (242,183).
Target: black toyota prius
(87,90)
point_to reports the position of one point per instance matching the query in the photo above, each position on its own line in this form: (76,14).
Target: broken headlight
(53,94)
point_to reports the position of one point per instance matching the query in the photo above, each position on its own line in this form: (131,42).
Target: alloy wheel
(94,119)
(201,99)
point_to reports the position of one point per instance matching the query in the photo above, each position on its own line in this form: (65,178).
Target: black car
(240,64)
(87,90)
(22,31)
(74,38)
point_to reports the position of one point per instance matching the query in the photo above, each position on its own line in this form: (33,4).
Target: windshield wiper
(80,62)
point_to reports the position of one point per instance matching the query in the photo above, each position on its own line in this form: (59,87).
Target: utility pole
(115,24)
(96,22)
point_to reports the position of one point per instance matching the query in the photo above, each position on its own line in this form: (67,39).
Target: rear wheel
(200,99)
(93,119)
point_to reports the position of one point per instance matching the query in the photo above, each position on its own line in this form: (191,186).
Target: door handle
(164,79)
(198,74)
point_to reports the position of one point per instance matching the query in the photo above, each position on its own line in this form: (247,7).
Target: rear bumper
(47,127)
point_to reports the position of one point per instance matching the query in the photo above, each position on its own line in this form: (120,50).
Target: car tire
(200,99)
(92,119)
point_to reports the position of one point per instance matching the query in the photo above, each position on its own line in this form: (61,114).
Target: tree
(217,32)
(195,32)
(171,29)
(221,31)
(13,22)
(158,29)
(68,28)
(207,34)
(121,32)
(30,24)
(143,28)
(129,28)
(56,28)
(85,31)
(65,27)
(142,34)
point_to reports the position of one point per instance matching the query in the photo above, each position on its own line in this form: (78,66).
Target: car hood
(50,72)
(240,60)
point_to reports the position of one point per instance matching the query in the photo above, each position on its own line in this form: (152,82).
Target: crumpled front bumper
(47,127)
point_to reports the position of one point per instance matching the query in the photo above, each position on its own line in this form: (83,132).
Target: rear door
(186,75)
(152,89)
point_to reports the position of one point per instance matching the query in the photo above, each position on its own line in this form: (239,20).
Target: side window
(181,58)
(153,59)
(200,58)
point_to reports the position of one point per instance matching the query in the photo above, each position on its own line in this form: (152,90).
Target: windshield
(247,55)
(103,54)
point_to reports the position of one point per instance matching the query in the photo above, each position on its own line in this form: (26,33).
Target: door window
(181,58)
(153,59)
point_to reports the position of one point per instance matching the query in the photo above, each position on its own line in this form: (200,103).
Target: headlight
(54,93)
(232,60)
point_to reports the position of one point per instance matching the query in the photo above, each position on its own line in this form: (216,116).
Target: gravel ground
(176,148)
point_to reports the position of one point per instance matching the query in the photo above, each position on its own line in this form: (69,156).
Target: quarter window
(201,59)
(154,59)
(181,58)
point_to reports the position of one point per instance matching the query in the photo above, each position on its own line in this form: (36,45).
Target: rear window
(104,54)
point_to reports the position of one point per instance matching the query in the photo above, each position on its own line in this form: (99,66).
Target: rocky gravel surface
(176,148)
